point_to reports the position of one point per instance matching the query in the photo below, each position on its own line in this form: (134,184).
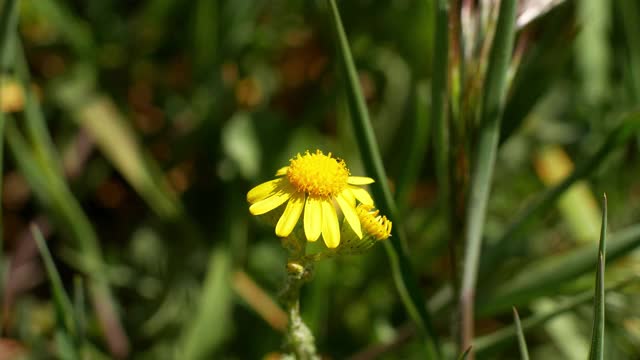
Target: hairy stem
(299,340)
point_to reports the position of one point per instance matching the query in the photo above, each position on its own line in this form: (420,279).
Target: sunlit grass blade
(494,94)
(546,276)
(117,141)
(592,50)
(404,277)
(35,123)
(522,343)
(629,127)
(208,328)
(487,344)
(597,337)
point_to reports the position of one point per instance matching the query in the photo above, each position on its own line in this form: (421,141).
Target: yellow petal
(282,171)
(270,203)
(349,212)
(348,195)
(312,218)
(291,214)
(362,195)
(360,180)
(330,226)
(263,190)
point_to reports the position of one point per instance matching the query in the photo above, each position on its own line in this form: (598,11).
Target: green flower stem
(300,342)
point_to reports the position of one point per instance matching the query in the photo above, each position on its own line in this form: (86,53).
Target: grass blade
(117,140)
(597,338)
(8,22)
(489,343)
(546,276)
(630,11)
(35,123)
(209,327)
(592,49)
(487,146)
(62,206)
(620,136)
(404,277)
(524,352)
(60,297)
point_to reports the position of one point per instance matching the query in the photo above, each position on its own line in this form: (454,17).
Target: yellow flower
(374,224)
(313,183)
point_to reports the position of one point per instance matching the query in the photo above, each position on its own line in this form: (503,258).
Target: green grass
(143,127)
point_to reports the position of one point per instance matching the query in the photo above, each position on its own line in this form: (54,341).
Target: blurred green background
(133,130)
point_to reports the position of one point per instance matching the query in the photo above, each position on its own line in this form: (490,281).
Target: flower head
(313,183)
(374,224)
(375,228)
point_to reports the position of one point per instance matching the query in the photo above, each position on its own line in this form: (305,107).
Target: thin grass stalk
(522,343)
(35,123)
(487,146)
(60,297)
(596,352)
(404,277)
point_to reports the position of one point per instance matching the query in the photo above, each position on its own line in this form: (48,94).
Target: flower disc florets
(318,175)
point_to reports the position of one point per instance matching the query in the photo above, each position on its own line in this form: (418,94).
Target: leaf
(494,91)
(403,274)
(212,320)
(544,277)
(522,344)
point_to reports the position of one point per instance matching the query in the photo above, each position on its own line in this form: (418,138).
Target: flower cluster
(318,187)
